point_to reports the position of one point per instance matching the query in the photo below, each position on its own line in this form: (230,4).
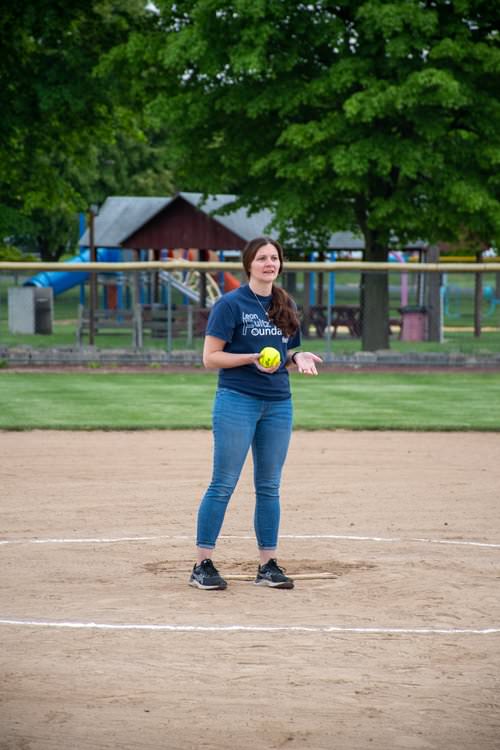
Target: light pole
(93,211)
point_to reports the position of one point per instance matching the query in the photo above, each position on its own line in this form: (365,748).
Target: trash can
(31,310)
(413,323)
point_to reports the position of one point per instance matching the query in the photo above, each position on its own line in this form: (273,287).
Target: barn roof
(240,222)
(119,216)
(128,218)
(122,216)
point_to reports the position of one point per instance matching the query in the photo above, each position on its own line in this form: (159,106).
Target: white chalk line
(296,537)
(397,540)
(250,628)
(91,540)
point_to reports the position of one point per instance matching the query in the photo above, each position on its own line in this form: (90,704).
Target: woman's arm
(215,358)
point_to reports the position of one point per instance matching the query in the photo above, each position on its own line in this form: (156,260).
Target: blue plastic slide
(61,281)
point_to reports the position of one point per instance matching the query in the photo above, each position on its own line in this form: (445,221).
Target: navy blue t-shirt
(238,319)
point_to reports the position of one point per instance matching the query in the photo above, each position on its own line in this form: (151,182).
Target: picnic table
(348,316)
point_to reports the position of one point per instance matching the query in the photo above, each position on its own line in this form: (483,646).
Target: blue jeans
(241,421)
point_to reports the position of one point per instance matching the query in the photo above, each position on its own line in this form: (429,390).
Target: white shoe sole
(199,585)
(271,584)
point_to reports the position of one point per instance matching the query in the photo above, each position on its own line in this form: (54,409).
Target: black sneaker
(206,576)
(271,574)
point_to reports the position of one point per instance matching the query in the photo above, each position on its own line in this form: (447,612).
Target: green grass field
(155,400)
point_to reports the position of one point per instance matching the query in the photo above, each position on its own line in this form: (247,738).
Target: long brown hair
(282,311)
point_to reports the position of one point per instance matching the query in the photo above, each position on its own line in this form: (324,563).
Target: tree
(378,117)
(63,120)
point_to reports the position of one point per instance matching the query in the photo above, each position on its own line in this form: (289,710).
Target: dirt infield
(106,646)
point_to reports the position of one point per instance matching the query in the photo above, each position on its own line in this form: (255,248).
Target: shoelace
(209,567)
(273,564)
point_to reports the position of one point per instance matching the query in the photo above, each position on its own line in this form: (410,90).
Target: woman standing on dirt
(252,407)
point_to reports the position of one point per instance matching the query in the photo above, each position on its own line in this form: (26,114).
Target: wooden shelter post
(92,276)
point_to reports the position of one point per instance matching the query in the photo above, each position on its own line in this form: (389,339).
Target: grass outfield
(351,400)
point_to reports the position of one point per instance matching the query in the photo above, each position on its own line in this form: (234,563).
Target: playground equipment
(139,302)
(454,296)
(61,281)
(186,282)
(491,299)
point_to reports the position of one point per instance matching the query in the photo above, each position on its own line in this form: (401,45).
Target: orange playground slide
(230,281)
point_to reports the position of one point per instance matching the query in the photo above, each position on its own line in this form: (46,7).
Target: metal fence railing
(164,305)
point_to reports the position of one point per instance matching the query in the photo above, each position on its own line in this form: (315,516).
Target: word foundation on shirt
(256,326)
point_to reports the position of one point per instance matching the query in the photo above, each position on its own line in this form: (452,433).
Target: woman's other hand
(306,363)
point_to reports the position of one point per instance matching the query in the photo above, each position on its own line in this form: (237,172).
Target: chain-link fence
(163,307)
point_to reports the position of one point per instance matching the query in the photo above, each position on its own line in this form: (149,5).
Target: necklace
(260,303)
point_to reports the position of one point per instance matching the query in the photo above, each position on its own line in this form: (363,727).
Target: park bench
(110,322)
(152,318)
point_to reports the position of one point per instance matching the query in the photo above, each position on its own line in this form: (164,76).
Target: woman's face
(265,266)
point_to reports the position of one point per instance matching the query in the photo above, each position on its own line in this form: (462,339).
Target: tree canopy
(373,116)
(379,117)
(68,131)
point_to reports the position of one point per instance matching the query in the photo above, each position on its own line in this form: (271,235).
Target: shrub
(13,254)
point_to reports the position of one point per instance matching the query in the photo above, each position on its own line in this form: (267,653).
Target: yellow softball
(269,357)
